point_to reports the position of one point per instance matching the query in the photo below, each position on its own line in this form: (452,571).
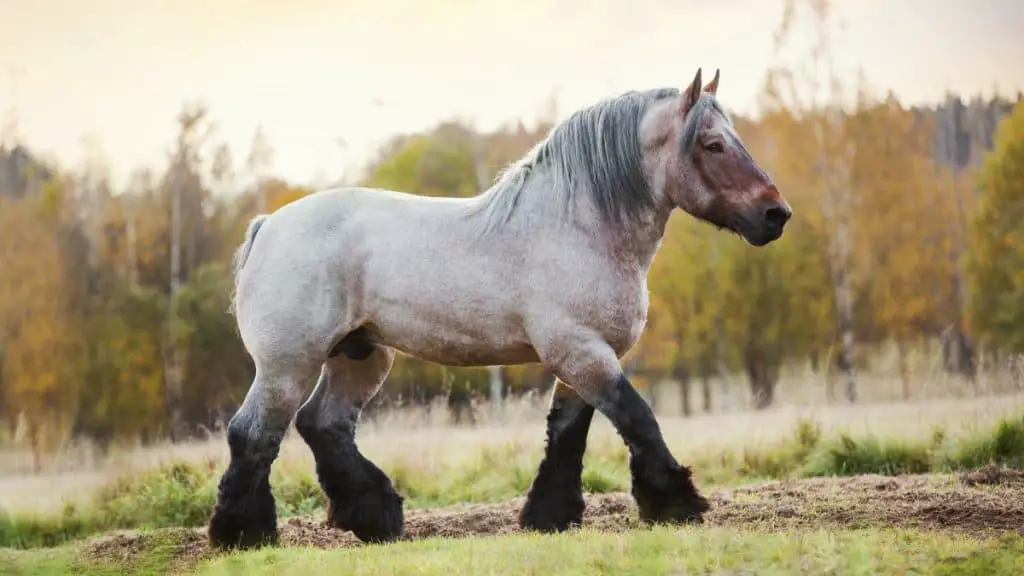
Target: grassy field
(883,487)
(657,551)
(931,524)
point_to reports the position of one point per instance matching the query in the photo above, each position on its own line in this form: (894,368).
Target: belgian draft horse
(549,265)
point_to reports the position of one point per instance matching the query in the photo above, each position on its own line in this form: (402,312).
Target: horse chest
(620,319)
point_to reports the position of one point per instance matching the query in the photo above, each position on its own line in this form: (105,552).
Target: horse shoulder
(631,319)
(587,293)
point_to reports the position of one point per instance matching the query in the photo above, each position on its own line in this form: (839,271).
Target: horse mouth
(756,235)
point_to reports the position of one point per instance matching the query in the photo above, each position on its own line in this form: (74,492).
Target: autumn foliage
(113,303)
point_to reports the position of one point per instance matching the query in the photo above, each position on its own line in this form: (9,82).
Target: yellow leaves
(901,228)
(281,193)
(51,199)
(37,324)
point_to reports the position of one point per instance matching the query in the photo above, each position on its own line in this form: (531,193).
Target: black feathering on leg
(663,489)
(360,495)
(555,502)
(244,515)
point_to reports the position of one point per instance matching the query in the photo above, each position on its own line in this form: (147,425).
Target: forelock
(705,105)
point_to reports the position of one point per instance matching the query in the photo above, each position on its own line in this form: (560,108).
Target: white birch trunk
(836,194)
(172,348)
(131,254)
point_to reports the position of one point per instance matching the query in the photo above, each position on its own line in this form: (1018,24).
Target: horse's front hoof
(374,516)
(670,498)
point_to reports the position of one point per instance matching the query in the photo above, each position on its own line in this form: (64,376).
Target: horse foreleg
(663,488)
(244,515)
(555,500)
(361,496)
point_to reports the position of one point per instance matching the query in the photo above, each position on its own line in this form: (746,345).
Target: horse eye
(715,148)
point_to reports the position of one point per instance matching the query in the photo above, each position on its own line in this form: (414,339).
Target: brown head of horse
(701,165)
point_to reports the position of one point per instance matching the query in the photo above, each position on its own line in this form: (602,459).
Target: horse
(549,265)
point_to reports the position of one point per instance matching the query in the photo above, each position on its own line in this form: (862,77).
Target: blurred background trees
(906,240)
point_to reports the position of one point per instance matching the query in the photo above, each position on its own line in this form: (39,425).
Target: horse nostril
(777,216)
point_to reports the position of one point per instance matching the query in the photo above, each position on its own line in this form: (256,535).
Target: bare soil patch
(980,503)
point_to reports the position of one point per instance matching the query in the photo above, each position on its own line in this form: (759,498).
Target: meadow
(904,245)
(884,486)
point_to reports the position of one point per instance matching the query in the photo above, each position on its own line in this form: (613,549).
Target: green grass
(182,494)
(655,551)
(157,556)
(660,551)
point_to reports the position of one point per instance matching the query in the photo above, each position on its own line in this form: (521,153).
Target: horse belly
(443,343)
(454,335)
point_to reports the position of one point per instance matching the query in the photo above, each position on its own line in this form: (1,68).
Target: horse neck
(635,242)
(631,243)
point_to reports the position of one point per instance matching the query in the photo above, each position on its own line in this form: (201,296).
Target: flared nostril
(777,216)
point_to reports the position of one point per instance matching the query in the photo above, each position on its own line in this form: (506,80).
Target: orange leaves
(37,322)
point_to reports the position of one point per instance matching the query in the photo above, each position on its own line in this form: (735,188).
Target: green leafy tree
(996,265)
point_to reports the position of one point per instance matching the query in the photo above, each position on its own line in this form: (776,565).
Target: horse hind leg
(361,496)
(555,499)
(244,515)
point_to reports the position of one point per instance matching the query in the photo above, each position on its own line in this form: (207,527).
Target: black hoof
(558,517)
(669,497)
(242,522)
(373,515)
(551,510)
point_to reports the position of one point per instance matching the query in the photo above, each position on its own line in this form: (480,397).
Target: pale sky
(310,70)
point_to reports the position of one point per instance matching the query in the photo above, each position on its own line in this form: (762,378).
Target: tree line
(113,303)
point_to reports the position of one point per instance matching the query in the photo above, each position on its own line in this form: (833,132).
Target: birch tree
(181,175)
(815,94)
(259,162)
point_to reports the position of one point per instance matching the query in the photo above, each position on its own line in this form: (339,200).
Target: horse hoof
(670,499)
(374,516)
(228,530)
(548,514)
(244,516)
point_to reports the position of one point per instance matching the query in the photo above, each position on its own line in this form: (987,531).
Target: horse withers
(549,265)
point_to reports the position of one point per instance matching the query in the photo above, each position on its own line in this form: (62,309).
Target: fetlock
(667,494)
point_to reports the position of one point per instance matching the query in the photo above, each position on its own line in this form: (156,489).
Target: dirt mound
(927,502)
(982,502)
(992,475)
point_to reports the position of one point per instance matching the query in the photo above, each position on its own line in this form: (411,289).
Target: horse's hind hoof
(244,516)
(551,512)
(670,499)
(229,530)
(548,522)
(374,516)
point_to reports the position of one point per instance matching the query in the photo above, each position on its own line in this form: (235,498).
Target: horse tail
(242,253)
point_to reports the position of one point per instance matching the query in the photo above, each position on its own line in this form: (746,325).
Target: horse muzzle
(763,223)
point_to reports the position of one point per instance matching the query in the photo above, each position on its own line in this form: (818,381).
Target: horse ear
(712,86)
(690,95)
